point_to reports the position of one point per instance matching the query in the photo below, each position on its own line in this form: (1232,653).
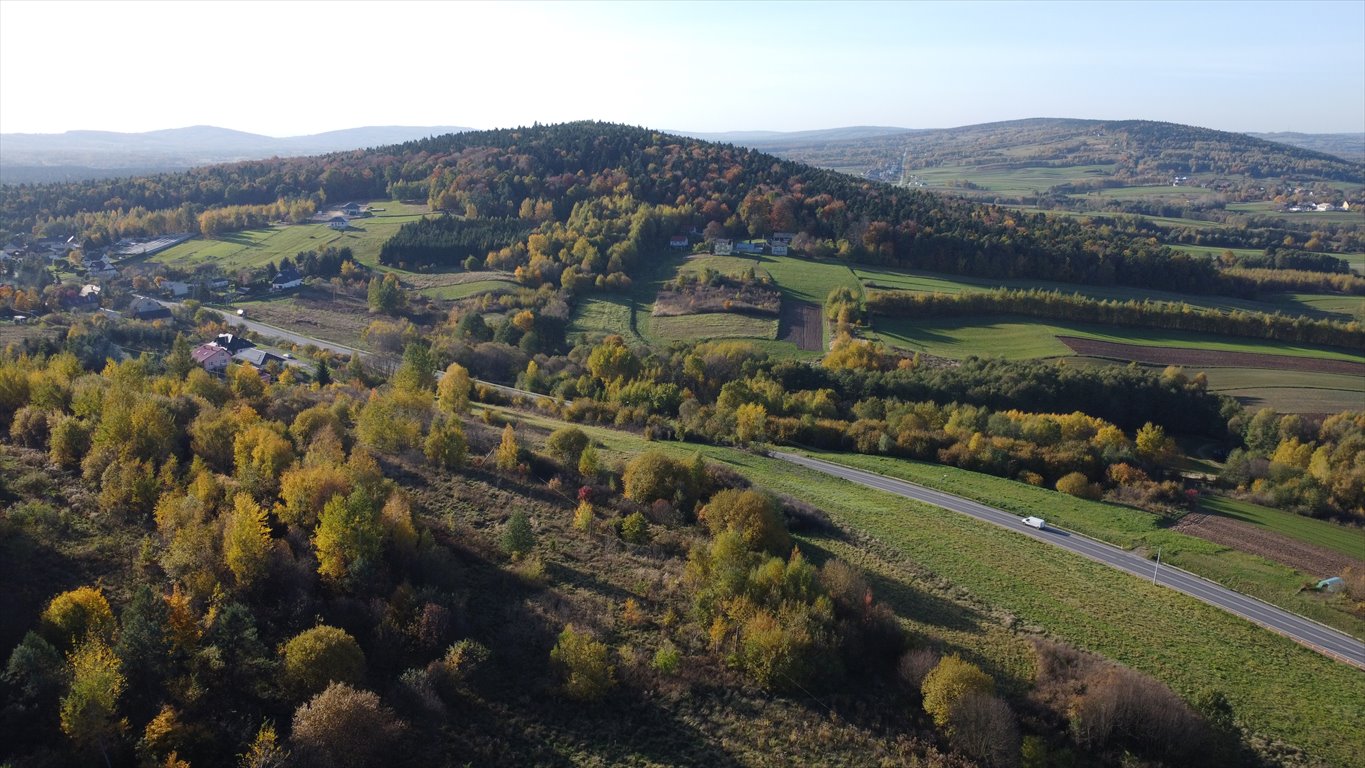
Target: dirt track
(1202,358)
(1318,562)
(802,324)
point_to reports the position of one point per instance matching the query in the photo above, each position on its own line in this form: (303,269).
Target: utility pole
(1158,564)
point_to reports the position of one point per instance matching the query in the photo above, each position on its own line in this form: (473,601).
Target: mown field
(968,584)
(713,325)
(1289,391)
(1020,338)
(1334,306)
(1008,181)
(257,247)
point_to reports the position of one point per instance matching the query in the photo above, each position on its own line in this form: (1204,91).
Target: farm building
(338,222)
(257,357)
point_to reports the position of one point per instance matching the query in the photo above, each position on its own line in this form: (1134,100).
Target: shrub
(1078,485)
(916,665)
(666,659)
(952,679)
(984,727)
(588,676)
(635,529)
(567,444)
(517,537)
(653,475)
(321,655)
(344,727)
(751,514)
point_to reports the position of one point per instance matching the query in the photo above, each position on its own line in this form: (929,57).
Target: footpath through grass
(1278,689)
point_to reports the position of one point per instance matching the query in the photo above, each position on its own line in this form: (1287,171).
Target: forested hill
(547,174)
(1134,148)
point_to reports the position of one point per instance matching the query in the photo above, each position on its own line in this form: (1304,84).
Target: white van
(1035,522)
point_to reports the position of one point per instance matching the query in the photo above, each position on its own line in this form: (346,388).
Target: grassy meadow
(256,247)
(1020,338)
(968,585)
(1346,540)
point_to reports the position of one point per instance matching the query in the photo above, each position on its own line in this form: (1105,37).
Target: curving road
(1323,639)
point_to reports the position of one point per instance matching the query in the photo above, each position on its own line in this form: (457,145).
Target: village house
(211,357)
(175,289)
(143,308)
(286,279)
(339,222)
(677,241)
(232,342)
(257,357)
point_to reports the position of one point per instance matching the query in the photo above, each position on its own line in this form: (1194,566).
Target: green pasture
(1340,538)
(1331,305)
(256,247)
(726,265)
(808,279)
(1011,181)
(1017,338)
(1278,689)
(603,315)
(467,288)
(1152,192)
(712,325)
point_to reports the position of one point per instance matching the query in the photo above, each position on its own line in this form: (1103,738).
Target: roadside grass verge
(1128,528)
(1278,689)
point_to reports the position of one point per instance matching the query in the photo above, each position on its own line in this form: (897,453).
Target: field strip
(1319,637)
(1186,356)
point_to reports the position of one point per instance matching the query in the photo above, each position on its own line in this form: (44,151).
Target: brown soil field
(1317,562)
(1195,358)
(803,325)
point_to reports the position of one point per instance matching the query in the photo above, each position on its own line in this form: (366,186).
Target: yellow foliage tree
(246,540)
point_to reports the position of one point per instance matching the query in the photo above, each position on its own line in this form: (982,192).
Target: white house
(339,222)
(212,357)
(286,279)
(176,288)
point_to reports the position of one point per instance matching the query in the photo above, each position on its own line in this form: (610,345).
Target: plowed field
(1318,562)
(803,325)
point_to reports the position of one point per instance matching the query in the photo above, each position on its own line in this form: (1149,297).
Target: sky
(291,68)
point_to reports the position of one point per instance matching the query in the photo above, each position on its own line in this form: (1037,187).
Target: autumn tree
(588,674)
(246,541)
(386,295)
(653,475)
(452,392)
(445,445)
(72,617)
(89,710)
(509,451)
(321,655)
(349,536)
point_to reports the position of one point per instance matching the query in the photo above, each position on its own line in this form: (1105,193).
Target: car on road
(1035,522)
(241,313)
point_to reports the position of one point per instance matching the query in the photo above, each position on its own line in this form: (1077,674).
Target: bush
(751,514)
(984,727)
(1078,485)
(344,727)
(951,680)
(319,656)
(666,659)
(567,444)
(653,475)
(635,529)
(588,676)
(517,538)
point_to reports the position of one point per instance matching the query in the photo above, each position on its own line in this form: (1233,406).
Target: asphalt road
(1325,640)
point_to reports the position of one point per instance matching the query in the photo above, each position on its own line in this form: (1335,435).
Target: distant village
(39,276)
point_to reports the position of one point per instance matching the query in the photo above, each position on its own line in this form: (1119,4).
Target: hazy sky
(283,69)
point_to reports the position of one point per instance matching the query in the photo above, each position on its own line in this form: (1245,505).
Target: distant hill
(765,138)
(76,155)
(1350,146)
(1130,150)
